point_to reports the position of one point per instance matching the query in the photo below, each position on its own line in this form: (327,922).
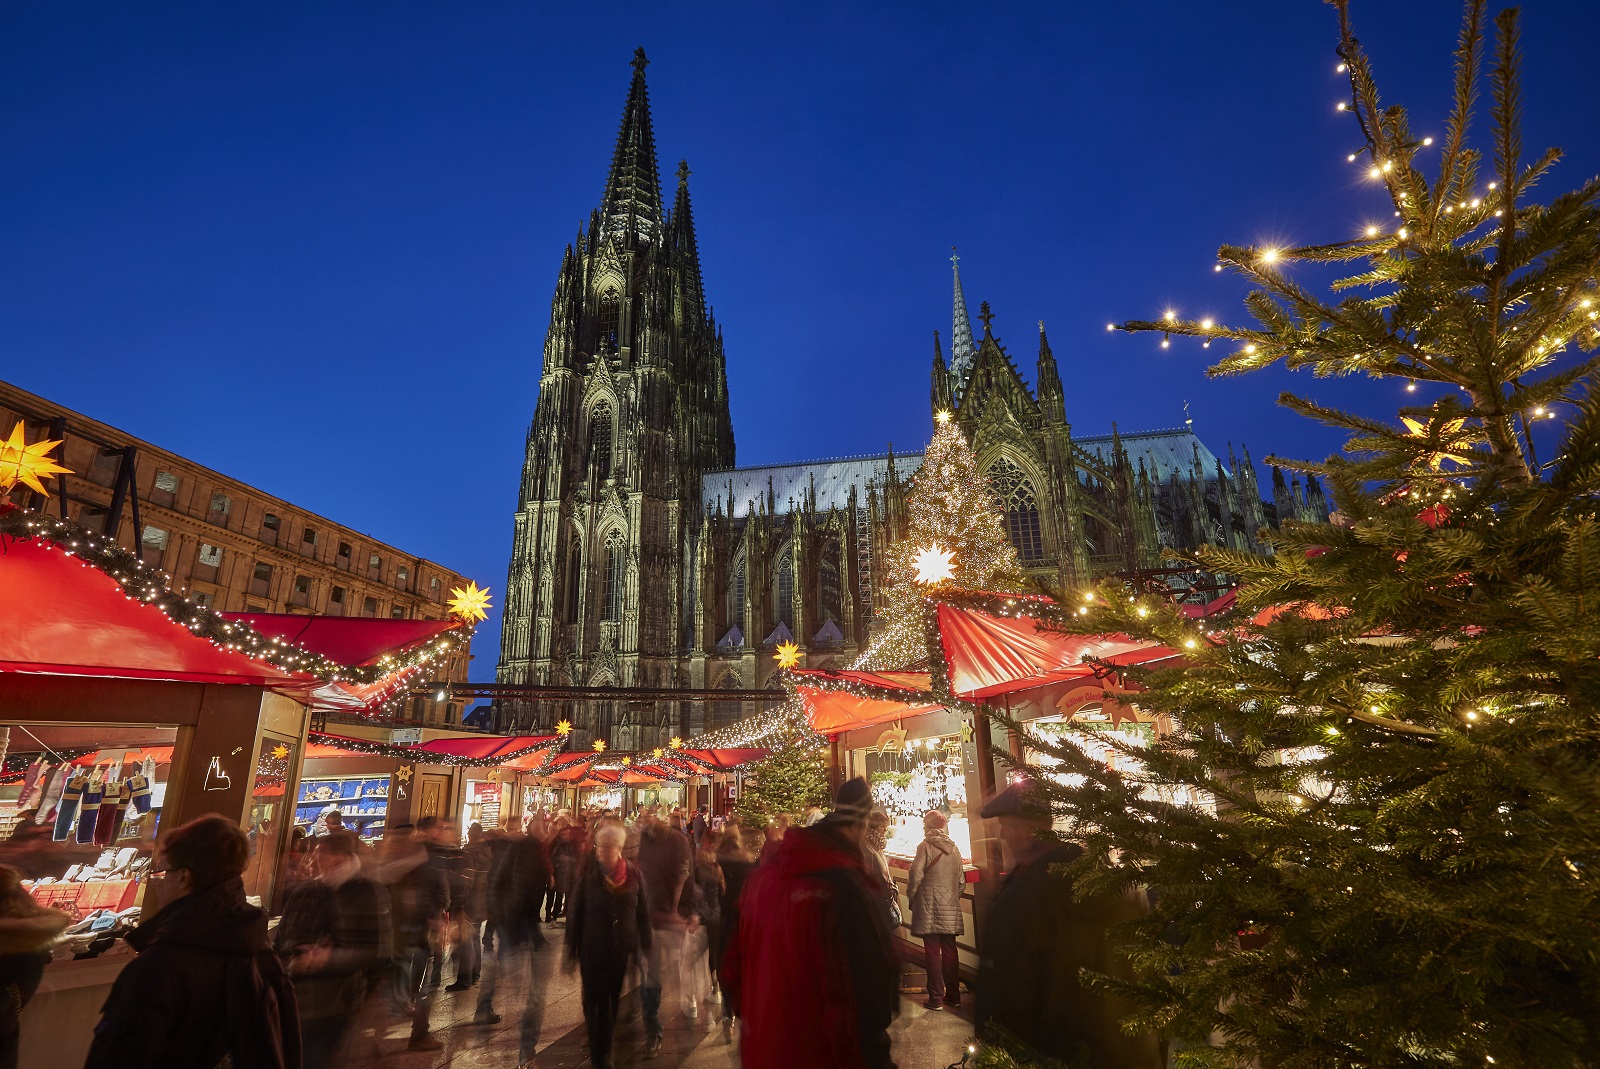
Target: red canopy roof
(63,616)
(831,709)
(356,641)
(991,655)
(485,748)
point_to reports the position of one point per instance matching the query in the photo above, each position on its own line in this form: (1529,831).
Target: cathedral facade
(643,557)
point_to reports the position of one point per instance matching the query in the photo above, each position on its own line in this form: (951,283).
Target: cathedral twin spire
(632,202)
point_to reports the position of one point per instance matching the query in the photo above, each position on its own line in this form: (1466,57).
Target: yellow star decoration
(657,752)
(676,743)
(563,728)
(626,761)
(27,464)
(493,775)
(935,565)
(943,415)
(1450,427)
(403,773)
(599,745)
(470,603)
(788,654)
(280,751)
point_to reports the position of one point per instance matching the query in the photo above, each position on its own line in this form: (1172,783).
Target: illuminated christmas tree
(955,534)
(793,778)
(1374,833)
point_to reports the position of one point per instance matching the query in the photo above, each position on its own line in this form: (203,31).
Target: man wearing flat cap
(811,963)
(1037,939)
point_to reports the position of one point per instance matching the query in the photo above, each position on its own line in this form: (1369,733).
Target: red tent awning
(515,749)
(62,616)
(891,696)
(353,640)
(988,655)
(721,760)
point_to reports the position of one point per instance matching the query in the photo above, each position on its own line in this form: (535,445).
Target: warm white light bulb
(1351,157)
(1340,106)
(1375,173)
(1205,324)
(1493,184)
(1372,231)
(1427,141)
(1111,326)
(1269,256)
(1217,268)
(1340,69)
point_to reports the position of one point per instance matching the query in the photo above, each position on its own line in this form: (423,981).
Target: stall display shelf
(364,801)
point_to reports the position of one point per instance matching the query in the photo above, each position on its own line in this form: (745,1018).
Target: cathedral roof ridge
(818,460)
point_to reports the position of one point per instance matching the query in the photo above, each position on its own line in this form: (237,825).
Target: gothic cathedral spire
(631,206)
(963,346)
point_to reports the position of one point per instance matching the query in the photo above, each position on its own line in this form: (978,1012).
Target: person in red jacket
(811,967)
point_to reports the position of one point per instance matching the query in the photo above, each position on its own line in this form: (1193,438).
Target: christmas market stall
(125,710)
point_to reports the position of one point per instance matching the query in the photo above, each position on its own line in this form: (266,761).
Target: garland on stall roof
(427,757)
(152,586)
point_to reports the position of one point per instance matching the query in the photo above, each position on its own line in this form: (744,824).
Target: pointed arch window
(615,578)
(736,596)
(785,585)
(610,321)
(574,583)
(830,583)
(600,442)
(1022,509)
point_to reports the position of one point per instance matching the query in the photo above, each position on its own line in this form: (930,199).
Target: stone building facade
(226,544)
(642,556)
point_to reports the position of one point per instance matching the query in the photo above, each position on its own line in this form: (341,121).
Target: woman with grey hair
(608,924)
(937,880)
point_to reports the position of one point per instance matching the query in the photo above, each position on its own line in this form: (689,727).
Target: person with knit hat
(811,966)
(1039,938)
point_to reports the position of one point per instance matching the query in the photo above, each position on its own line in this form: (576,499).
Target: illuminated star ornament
(657,752)
(935,565)
(27,464)
(788,654)
(470,603)
(279,752)
(626,761)
(676,743)
(563,728)
(943,416)
(1436,459)
(599,745)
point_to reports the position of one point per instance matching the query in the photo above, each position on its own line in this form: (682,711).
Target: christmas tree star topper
(470,603)
(27,464)
(935,565)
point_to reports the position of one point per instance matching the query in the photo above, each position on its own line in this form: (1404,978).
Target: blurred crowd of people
(787,931)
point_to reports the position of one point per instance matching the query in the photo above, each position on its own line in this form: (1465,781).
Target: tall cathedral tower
(632,410)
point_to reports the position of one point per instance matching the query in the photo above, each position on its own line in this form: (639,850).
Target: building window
(786,590)
(261,580)
(610,321)
(830,584)
(397,613)
(166,489)
(308,539)
(402,576)
(374,564)
(736,597)
(104,468)
(369,607)
(221,506)
(1021,507)
(152,545)
(201,598)
(336,600)
(344,555)
(574,583)
(302,591)
(210,556)
(725,713)
(270,527)
(600,442)
(433,584)
(616,576)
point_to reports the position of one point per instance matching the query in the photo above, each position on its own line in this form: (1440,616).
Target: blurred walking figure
(736,865)
(608,926)
(334,939)
(1039,938)
(517,887)
(472,909)
(708,907)
(667,864)
(206,989)
(27,930)
(565,854)
(419,897)
(812,968)
(937,880)
(774,833)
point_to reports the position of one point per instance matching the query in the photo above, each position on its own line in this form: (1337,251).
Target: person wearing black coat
(608,926)
(517,886)
(206,985)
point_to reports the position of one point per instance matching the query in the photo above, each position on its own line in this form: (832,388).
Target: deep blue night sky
(313,245)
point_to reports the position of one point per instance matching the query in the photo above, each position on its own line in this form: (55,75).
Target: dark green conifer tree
(1373,834)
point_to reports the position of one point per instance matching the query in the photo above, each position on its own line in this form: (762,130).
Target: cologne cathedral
(643,557)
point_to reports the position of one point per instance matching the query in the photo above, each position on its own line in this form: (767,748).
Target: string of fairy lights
(149,585)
